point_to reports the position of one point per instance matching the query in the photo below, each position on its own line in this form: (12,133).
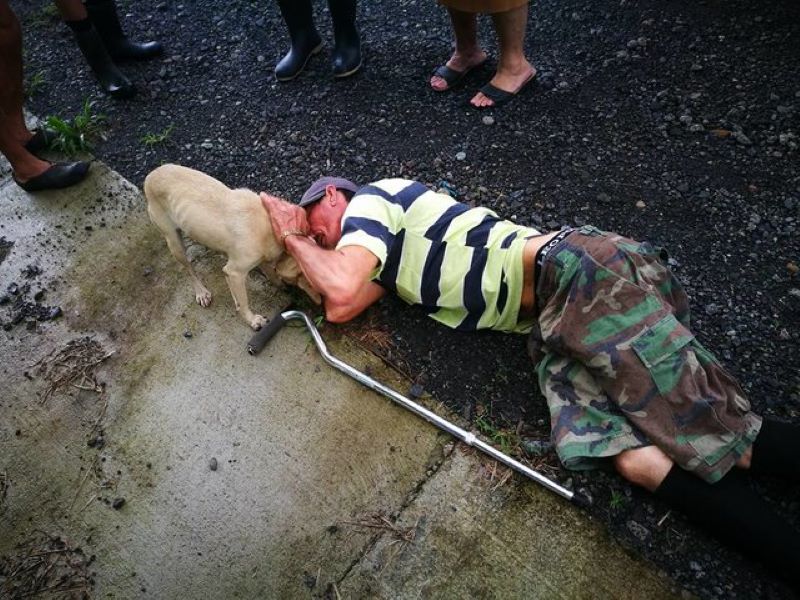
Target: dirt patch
(73,366)
(24,302)
(5,248)
(46,566)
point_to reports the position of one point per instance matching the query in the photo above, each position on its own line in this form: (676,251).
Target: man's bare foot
(461,63)
(30,168)
(507,80)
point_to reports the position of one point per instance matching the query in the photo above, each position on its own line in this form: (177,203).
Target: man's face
(325,218)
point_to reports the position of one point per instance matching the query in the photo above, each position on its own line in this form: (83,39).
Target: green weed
(156,139)
(617,500)
(35,84)
(75,136)
(44,15)
(506,440)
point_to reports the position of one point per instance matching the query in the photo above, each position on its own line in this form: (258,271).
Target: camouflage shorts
(620,368)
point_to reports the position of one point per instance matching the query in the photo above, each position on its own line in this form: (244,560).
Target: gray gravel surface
(676,122)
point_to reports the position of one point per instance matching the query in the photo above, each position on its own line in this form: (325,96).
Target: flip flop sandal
(451,76)
(500,97)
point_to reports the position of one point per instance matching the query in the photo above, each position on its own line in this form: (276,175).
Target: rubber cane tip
(581,500)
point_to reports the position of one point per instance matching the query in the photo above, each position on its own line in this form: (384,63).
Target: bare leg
(646,467)
(13,133)
(71,10)
(468,52)
(513,69)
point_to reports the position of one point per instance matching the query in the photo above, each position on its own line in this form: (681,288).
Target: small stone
(488,120)
(118,503)
(792,268)
(187,334)
(416,391)
(212,464)
(638,530)
(147,271)
(640,204)
(461,156)
(536,447)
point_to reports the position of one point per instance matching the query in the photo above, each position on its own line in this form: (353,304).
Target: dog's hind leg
(178,250)
(236,276)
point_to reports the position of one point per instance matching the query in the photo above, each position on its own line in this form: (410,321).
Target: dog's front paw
(203,297)
(257,322)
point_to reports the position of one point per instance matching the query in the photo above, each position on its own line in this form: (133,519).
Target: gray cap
(317,189)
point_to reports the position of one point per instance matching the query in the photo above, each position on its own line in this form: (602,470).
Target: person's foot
(510,81)
(461,63)
(54,176)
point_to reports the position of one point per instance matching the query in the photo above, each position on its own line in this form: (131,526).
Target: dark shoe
(346,58)
(500,97)
(304,37)
(297,58)
(59,175)
(346,55)
(103,15)
(41,140)
(451,76)
(111,79)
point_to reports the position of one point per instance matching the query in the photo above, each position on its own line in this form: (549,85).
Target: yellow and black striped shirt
(464,265)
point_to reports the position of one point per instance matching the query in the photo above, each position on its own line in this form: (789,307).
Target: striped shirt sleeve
(371,221)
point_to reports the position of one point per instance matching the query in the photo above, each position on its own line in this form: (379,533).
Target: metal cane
(266,333)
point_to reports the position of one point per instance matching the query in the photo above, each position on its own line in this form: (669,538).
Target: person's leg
(13,133)
(111,79)
(729,509)
(103,14)
(776,450)
(513,69)
(30,172)
(468,52)
(305,41)
(346,56)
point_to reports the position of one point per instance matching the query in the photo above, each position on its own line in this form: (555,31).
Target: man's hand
(286,218)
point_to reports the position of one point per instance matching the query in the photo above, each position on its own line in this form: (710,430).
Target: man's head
(325,202)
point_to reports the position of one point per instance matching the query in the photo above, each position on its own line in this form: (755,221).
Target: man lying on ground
(608,323)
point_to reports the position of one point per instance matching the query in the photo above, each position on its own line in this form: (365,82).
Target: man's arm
(341,276)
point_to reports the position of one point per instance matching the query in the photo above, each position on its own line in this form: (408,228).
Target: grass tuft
(156,139)
(74,136)
(35,84)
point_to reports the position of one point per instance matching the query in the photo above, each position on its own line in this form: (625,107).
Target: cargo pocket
(659,348)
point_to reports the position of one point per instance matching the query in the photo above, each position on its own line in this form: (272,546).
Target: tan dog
(230,221)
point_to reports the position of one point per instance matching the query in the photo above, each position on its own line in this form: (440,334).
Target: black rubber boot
(346,56)
(304,37)
(734,513)
(776,451)
(103,14)
(111,79)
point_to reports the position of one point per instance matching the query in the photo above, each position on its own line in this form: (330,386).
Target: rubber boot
(346,56)
(111,79)
(103,15)
(303,35)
